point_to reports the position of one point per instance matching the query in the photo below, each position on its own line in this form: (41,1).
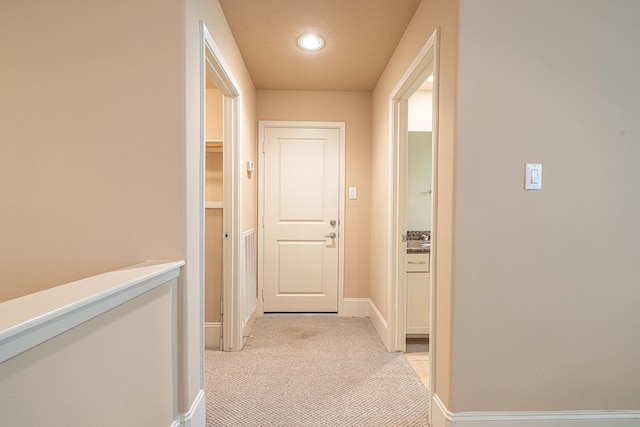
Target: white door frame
(213,62)
(417,72)
(262,125)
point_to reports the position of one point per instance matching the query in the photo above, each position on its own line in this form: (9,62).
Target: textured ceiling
(360,37)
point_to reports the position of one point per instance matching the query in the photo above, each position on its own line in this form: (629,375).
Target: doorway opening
(414,279)
(213,216)
(218,201)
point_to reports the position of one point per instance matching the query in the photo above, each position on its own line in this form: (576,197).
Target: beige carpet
(313,371)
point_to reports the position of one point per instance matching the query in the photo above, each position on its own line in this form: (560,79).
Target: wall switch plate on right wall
(533,176)
(353,193)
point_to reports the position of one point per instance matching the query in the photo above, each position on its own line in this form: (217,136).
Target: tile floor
(417,354)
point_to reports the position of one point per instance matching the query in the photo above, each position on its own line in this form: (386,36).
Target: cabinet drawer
(418,262)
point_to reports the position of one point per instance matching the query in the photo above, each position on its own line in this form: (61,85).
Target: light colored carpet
(313,371)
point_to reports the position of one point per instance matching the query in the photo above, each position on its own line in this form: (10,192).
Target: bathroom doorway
(424,66)
(419,191)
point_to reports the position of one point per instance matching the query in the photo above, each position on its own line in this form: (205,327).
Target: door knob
(331,235)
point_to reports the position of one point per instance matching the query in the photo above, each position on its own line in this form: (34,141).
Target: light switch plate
(533,176)
(353,193)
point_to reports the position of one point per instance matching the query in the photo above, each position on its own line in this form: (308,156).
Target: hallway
(313,371)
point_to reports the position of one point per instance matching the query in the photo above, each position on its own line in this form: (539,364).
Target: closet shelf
(213,205)
(213,145)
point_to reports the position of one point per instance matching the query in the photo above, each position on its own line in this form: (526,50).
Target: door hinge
(262,294)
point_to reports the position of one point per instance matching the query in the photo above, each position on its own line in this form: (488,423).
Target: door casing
(425,62)
(262,125)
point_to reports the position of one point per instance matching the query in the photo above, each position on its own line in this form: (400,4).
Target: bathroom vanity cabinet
(418,294)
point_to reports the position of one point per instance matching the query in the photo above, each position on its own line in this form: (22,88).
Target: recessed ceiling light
(311,42)
(430,78)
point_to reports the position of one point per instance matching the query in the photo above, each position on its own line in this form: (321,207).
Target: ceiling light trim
(310,42)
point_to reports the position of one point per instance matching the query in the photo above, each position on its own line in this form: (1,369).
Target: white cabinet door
(418,304)
(418,294)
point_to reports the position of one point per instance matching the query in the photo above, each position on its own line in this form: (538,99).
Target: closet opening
(218,201)
(213,215)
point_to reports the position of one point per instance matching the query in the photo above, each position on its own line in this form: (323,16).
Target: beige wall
(430,15)
(213,237)
(546,295)
(91,139)
(213,191)
(213,116)
(213,265)
(213,177)
(354,108)
(115,369)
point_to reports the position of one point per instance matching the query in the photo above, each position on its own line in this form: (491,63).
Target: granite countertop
(416,243)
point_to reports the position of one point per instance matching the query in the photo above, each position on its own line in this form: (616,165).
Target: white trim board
(212,331)
(355,307)
(38,317)
(197,414)
(364,307)
(379,323)
(443,418)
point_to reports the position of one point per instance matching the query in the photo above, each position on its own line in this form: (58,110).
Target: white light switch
(353,193)
(533,176)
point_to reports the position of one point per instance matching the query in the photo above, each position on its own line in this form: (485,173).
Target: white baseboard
(379,323)
(441,417)
(246,329)
(197,415)
(355,307)
(364,307)
(212,331)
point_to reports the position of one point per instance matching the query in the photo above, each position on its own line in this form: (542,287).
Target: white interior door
(301,219)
